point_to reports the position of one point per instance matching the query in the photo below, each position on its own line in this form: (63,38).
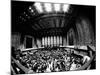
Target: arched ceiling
(27,17)
(38,18)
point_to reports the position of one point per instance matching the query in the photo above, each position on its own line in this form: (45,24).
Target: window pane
(48,41)
(43,41)
(51,41)
(54,40)
(57,40)
(60,41)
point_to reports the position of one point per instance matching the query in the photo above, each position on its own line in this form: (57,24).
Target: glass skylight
(48,7)
(38,7)
(66,7)
(57,7)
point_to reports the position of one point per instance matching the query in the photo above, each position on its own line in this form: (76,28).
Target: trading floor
(52,60)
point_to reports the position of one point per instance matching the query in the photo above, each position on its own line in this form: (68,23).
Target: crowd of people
(54,60)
